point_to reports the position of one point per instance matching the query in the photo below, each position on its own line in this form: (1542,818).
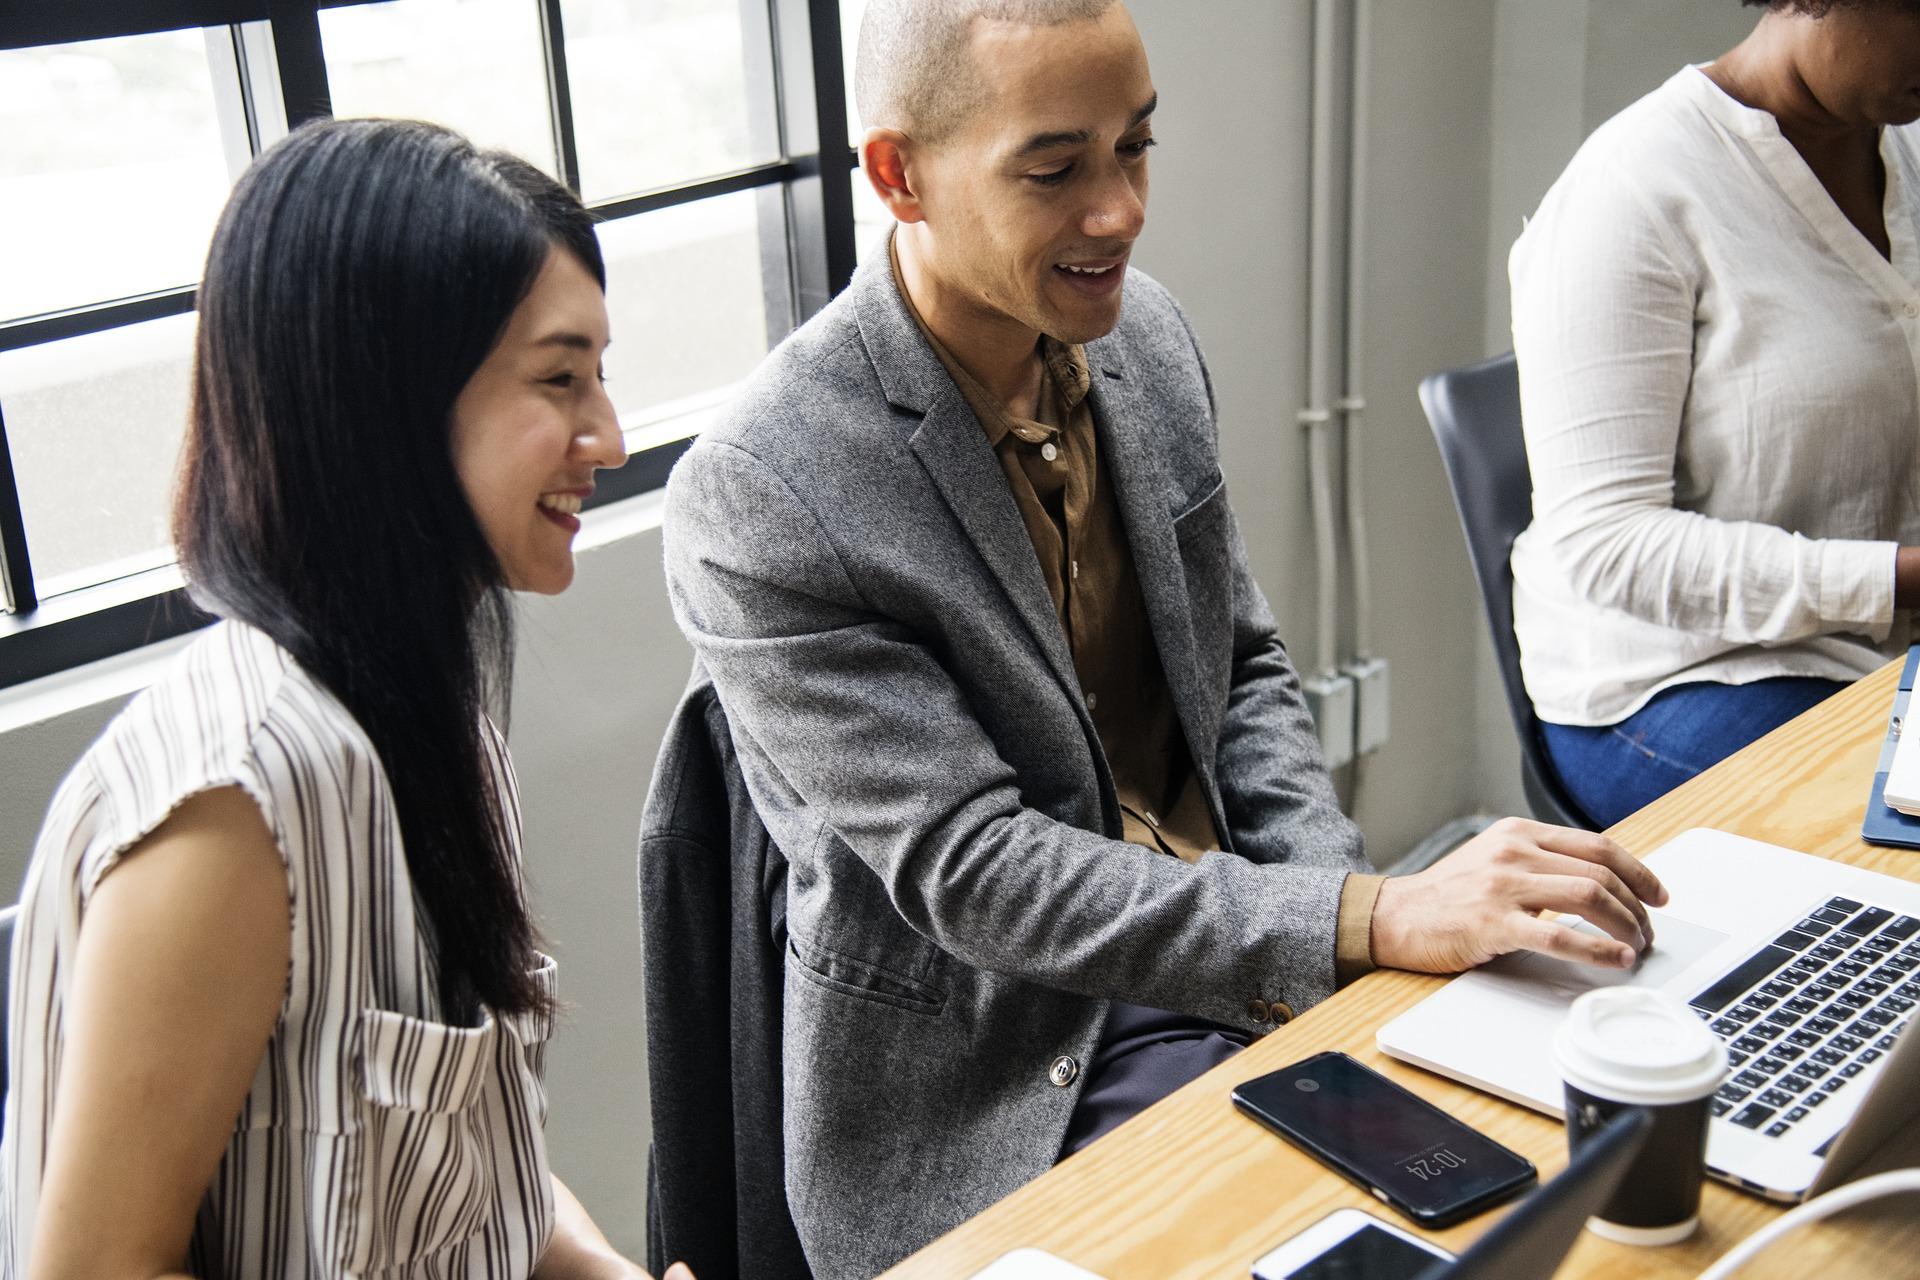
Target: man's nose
(1119,212)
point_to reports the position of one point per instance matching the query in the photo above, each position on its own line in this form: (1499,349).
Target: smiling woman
(283,890)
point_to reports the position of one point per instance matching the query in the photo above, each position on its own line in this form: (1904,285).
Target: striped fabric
(376,1140)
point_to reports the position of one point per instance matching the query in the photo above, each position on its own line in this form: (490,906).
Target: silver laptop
(1809,969)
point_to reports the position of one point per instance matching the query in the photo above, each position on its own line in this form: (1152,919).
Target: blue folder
(1884,824)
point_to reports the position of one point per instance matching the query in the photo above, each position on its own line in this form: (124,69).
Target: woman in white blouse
(1716,313)
(277,1006)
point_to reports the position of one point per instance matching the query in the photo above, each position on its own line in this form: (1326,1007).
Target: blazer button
(1259,1010)
(1282,1013)
(1064,1071)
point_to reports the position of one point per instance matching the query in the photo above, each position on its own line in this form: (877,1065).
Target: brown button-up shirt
(1066,500)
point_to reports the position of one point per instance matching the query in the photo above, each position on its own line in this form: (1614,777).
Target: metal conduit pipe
(1317,415)
(1329,693)
(1353,404)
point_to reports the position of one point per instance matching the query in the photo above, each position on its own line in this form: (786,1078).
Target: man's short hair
(912,71)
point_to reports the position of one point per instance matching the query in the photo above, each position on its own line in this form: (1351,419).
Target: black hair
(360,274)
(1821,8)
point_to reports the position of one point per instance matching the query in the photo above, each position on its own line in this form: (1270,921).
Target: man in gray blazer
(962,568)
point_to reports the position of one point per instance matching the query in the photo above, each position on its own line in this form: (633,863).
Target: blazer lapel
(1146,500)
(952,446)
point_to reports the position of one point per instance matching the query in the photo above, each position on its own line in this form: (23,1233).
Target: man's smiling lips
(1094,277)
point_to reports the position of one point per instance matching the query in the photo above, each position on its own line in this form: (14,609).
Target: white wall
(1476,105)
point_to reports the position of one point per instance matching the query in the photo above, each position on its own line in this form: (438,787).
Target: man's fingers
(1549,938)
(1564,865)
(1590,900)
(1592,847)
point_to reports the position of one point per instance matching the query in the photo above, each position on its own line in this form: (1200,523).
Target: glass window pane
(665,91)
(472,65)
(685,299)
(112,170)
(95,425)
(871,221)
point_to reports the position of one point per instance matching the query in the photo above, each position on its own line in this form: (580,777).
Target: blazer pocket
(862,979)
(1203,513)
(1204,533)
(422,1155)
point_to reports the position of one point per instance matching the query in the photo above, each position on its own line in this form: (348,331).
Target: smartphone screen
(1368,1254)
(1427,1164)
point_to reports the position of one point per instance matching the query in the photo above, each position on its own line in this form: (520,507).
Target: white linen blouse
(377,1139)
(1720,377)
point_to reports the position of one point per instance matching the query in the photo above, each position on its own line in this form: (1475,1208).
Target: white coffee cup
(1626,1047)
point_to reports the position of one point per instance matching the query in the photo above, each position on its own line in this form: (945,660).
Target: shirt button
(1048,452)
(1063,1072)
(1912,310)
(1093,700)
(1259,1011)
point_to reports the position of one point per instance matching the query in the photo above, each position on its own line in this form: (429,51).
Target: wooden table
(1191,1189)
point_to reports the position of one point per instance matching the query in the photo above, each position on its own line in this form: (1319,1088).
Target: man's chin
(1084,324)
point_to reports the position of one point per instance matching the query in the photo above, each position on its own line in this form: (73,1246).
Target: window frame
(806,230)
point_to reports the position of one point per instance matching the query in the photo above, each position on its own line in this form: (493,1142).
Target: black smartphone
(1403,1149)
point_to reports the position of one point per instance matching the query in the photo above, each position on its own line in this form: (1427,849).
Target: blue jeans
(1612,770)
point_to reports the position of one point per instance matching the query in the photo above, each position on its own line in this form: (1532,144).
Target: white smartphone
(1350,1244)
(1032,1264)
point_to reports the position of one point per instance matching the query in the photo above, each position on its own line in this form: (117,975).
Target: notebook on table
(1884,823)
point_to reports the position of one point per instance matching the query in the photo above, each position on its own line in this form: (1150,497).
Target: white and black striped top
(376,1140)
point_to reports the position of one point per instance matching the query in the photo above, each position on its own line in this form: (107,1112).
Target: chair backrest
(1475,415)
(7,916)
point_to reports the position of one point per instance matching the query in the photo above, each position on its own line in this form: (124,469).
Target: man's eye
(561,380)
(1052,179)
(1138,148)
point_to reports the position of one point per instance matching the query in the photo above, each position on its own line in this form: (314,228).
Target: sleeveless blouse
(376,1140)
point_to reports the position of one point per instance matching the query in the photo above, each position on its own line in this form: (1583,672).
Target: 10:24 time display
(1435,1163)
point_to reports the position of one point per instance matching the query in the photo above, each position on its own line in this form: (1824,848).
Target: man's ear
(884,158)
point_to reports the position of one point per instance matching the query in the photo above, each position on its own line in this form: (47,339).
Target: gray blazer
(846,558)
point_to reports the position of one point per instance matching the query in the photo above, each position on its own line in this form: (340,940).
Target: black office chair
(1475,414)
(7,918)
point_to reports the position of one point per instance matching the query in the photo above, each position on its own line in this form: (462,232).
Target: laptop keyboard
(1804,1016)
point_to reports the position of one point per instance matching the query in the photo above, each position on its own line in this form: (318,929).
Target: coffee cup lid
(1633,1045)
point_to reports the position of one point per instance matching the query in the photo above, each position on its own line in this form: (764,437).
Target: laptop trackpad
(1677,945)
(1494,1027)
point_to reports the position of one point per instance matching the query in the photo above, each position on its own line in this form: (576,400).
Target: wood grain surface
(1191,1189)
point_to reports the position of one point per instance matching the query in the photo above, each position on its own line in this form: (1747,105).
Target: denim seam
(1655,756)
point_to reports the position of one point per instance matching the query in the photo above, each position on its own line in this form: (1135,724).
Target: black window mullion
(16,566)
(302,59)
(96,317)
(553,39)
(813,97)
(724,184)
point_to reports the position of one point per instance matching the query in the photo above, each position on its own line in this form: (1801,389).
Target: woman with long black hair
(278,1008)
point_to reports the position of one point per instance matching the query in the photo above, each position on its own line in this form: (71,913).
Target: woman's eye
(561,380)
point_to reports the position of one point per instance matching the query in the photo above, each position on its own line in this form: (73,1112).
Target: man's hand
(1482,900)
